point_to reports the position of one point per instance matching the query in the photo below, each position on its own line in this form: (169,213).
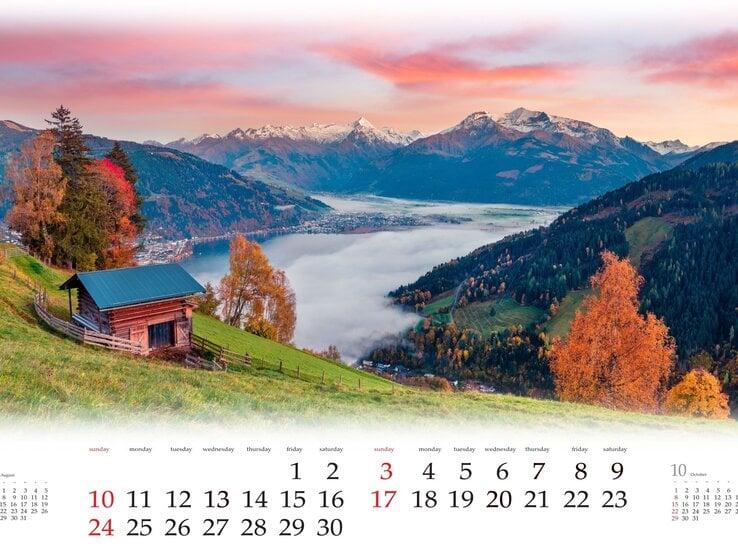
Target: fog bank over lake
(341,280)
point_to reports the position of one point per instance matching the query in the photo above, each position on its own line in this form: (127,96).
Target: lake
(341,281)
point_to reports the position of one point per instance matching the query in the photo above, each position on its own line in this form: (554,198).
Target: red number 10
(106,499)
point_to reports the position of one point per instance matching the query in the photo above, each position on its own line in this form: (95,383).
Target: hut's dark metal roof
(115,288)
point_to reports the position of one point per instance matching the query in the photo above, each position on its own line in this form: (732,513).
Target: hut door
(161,335)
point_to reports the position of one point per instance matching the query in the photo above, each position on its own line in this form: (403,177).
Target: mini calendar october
(387,276)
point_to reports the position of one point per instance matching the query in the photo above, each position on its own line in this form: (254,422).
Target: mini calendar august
(369,277)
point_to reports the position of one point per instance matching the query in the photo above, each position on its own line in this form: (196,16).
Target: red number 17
(386,496)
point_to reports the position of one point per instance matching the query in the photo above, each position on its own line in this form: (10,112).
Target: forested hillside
(184,195)
(680,228)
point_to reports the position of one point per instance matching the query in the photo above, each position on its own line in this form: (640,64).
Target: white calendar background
(428,488)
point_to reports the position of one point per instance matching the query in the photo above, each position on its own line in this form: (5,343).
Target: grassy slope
(507,314)
(442,302)
(558,326)
(45,375)
(311,367)
(644,235)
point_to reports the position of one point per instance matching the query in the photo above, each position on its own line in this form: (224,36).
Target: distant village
(401,374)
(155,249)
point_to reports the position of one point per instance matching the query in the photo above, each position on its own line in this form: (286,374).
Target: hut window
(161,335)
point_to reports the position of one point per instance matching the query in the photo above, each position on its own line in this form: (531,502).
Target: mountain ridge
(523,156)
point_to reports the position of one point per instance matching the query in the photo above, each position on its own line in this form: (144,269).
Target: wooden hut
(147,304)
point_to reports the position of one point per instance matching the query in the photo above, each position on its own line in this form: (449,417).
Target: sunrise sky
(653,70)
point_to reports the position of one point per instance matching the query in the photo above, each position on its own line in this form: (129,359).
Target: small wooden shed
(147,304)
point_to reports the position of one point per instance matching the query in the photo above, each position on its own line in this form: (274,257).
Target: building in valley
(146,304)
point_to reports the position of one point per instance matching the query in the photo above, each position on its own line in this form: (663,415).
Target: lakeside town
(156,249)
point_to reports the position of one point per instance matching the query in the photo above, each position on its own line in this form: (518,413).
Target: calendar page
(361,488)
(416,276)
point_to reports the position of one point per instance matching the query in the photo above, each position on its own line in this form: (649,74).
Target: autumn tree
(614,356)
(331,353)
(254,295)
(697,394)
(117,221)
(37,189)
(209,302)
(281,308)
(71,208)
(120,158)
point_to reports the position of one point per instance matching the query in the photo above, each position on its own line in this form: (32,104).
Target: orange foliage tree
(697,394)
(37,188)
(118,223)
(614,356)
(256,296)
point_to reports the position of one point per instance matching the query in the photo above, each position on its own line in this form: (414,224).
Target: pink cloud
(519,41)
(132,50)
(710,60)
(440,70)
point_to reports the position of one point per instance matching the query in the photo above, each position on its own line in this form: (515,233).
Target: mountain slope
(680,227)
(314,157)
(185,196)
(721,154)
(524,156)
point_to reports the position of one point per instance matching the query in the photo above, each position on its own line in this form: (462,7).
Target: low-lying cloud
(341,281)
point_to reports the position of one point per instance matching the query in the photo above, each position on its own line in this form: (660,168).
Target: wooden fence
(220,353)
(40,304)
(195,361)
(15,251)
(226,358)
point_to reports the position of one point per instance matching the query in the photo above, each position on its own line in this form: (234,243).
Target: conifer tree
(119,157)
(71,152)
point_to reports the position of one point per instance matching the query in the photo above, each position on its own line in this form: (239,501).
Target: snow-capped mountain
(308,157)
(527,121)
(522,156)
(671,147)
(184,195)
(318,133)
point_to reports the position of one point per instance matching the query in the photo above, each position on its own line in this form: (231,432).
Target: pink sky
(653,74)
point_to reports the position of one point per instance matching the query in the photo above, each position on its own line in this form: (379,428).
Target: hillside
(185,196)
(679,227)
(43,375)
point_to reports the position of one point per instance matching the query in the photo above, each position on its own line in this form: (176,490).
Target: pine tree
(71,152)
(84,235)
(119,157)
